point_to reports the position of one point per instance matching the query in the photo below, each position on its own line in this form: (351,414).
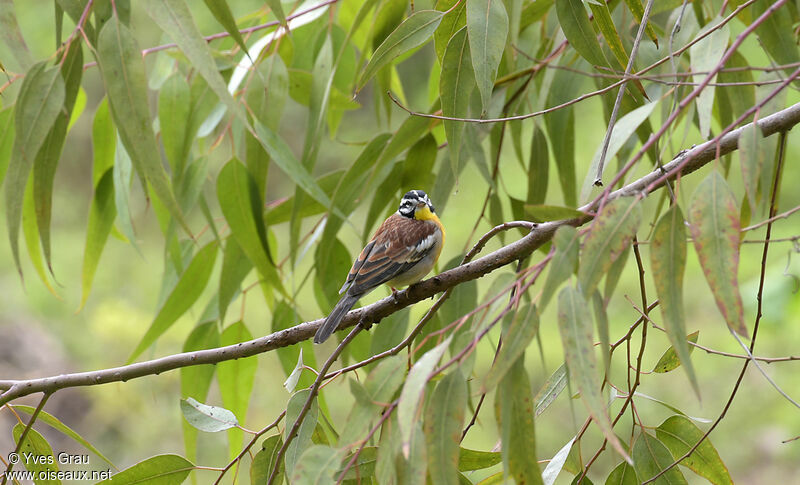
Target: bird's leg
(394,295)
(364,323)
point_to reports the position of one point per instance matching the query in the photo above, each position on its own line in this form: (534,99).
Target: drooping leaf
(12,35)
(578,30)
(43,460)
(221,12)
(650,457)
(469,460)
(564,262)
(516,337)
(752,158)
(122,67)
(235,267)
(705,55)
(714,225)
(611,233)
(637,9)
(514,410)
(544,213)
(207,418)
(412,391)
(487,29)
(456,84)
(605,24)
(575,325)
(55,423)
(174,110)
(241,204)
(560,126)
(775,34)
(236,379)
(196,379)
(46,163)
(159,469)
(412,32)
(102,213)
(680,435)
(40,100)
(188,289)
(451,23)
(551,389)
(302,441)
(264,461)
(444,419)
(668,261)
(317,465)
(555,465)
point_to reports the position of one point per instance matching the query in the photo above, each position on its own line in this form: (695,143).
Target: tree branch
(697,157)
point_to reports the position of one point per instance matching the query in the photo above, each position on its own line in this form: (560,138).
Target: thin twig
(24,435)
(249,445)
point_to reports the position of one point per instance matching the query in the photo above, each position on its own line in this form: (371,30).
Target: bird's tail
(332,322)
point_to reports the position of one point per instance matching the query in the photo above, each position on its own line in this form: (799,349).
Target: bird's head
(416,205)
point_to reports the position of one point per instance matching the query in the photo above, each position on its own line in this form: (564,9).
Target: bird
(403,250)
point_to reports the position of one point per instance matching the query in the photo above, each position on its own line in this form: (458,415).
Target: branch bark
(691,160)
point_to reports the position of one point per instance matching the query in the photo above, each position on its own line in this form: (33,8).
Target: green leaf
(277,10)
(236,379)
(575,326)
(669,360)
(44,167)
(207,418)
(714,225)
(469,460)
(55,423)
(265,461)
(282,156)
(705,55)
(317,465)
(444,418)
(451,23)
(637,9)
(611,233)
(487,28)
(221,12)
(104,139)
(188,289)
(157,470)
(174,110)
(42,461)
(412,32)
(40,100)
(122,169)
(668,261)
(602,18)
(516,337)
(6,139)
(560,126)
(650,457)
(538,168)
(412,392)
(122,67)
(544,213)
(551,389)
(235,267)
(514,413)
(380,387)
(556,464)
(622,474)
(30,234)
(752,158)
(456,84)
(302,441)
(102,213)
(578,30)
(564,262)
(680,435)
(601,318)
(671,407)
(776,35)
(241,204)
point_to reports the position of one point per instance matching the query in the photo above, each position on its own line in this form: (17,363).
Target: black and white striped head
(413,201)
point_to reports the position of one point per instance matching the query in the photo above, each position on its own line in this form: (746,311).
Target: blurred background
(41,334)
